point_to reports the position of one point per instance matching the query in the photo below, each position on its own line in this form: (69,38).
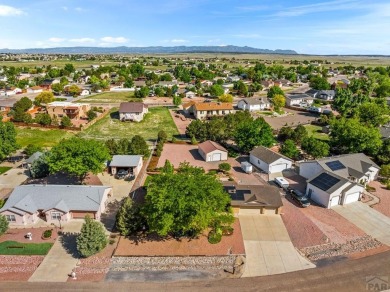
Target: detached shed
(212,151)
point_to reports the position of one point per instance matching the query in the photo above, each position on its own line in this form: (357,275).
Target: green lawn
(316,132)
(42,138)
(110,97)
(28,248)
(110,126)
(4,169)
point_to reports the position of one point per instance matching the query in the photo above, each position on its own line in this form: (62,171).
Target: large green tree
(78,156)
(274,90)
(289,149)
(315,147)
(279,101)
(138,146)
(7,139)
(319,83)
(216,90)
(92,238)
(371,113)
(184,203)
(44,97)
(128,219)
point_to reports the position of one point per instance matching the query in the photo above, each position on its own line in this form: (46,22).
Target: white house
(212,151)
(253,104)
(84,92)
(298,100)
(3,78)
(268,160)
(132,111)
(190,94)
(34,89)
(338,180)
(326,94)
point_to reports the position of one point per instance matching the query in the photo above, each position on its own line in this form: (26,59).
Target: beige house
(209,109)
(132,111)
(212,151)
(75,111)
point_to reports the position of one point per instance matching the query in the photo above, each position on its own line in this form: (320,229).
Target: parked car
(300,197)
(122,174)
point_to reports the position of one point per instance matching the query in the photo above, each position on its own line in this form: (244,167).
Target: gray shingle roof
(125,160)
(34,157)
(267,155)
(252,195)
(254,101)
(30,198)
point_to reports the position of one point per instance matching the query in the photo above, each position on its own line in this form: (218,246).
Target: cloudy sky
(309,27)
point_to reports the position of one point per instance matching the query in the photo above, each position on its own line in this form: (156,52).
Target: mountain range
(148,50)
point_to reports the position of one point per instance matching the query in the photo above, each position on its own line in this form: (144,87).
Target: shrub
(158,152)
(227,230)
(162,136)
(3,224)
(47,233)
(92,238)
(193,141)
(31,149)
(112,241)
(215,236)
(225,167)
(212,172)
(174,139)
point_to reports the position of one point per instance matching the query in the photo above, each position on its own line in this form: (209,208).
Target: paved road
(268,247)
(367,219)
(341,276)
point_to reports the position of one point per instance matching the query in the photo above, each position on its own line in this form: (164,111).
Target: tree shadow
(68,241)
(108,218)
(114,115)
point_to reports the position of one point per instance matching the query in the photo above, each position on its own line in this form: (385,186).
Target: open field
(39,137)
(18,248)
(110,97)
(316,132)
(110,126)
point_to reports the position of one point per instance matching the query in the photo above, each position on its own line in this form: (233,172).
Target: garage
(212,151)
(216,157)
(81,215)
(352,198)
(278,167)
(335,201)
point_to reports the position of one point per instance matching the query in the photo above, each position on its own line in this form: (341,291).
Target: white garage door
(335,201)
(249,212)
(277,167)
(216,157)
(352,198)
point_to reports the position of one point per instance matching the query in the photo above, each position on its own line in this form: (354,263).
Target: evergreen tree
(92,238)
(3,224)
(128,218)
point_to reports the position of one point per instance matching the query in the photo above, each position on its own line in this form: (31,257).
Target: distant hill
(149,50)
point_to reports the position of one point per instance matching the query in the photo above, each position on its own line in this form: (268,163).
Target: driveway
(12,178)
(369,220)
(268,247)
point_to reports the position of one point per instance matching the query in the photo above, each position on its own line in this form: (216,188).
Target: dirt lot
(177,153)
(153,246)
(294,118)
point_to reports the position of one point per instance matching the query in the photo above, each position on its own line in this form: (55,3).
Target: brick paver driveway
(384,198)
(268,247)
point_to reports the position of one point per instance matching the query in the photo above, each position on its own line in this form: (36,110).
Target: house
(189,94)
(35,156)
(268,160)
(85,92)
(75,111)
(212,151)
(139,83)
(130,163)
(267,84)
(48,83)
(132,111)
(254,104)
(209,109)
(299,99)
(326,94)
(206,83)
(10,91)
(54,203)
(234,78)
(338,180)
(254,199)
(34,89)
(3,78)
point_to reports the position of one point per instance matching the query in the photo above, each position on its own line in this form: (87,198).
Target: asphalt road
(349,275)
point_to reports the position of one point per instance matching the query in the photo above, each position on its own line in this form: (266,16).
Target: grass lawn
(39,137)
(110,126)
(28,248)
(316,132)
(110,97)
(4,169)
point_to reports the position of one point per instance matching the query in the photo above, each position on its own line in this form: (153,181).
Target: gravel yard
(18,268)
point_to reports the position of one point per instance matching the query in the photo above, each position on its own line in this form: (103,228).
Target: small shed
(247,166)
(212,151)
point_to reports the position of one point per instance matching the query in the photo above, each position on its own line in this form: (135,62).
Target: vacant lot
(39,137)
(110,126)
(316,132)
(293,119)
(110,97)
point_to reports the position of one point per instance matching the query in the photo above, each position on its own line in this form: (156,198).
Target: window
(56,215)
(10,218)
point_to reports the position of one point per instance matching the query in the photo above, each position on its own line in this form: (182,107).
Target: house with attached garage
(212,151)
(268,160)
(338,180)
(326,94)
(298,99)
(53,203)
(132,111)
(254,104)
(209,109)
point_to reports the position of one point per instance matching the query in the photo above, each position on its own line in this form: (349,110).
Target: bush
(162,136)
(31,149)
(225,167)
(212,172)
(47,233)
(227,230)
(215,236)
(92,238)
(3,224)
(174,139)
(112,241)
(193,141)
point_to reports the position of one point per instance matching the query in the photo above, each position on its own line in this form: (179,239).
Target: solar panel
(324,181)
(335,165)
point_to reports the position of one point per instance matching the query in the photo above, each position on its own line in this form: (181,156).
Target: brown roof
(188,104)
(132,107)
(267,155)
(254,195)
(208,106)
(209,146)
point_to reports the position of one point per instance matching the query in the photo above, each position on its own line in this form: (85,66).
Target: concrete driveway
(12,178)
(268,247)
(367,219)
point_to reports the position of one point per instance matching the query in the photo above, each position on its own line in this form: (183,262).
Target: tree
(319,83)
(69,68)
(44,97)
(7,139)
(184,203)
(78,156)
(31,149)
(177,100)
(289,149)
(43,119)
(128,218)
(384,153)
(142,92)
(138,146)
(40,167)
(22,104)
(274,90)
(162,136)
(299,134)
(350,136)
(91,114)
(168,167)
(315,148)
(242,88)
(226,98)
(57,87)
(385,171)
(74,90)
(3,224)
(285,133)
(111,146)
(225,167)
(345,102)
(279,101)
(371,113)
(253,133)
(66,122)
(216,90)
(92,238)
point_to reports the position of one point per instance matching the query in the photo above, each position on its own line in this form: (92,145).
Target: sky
(308,27)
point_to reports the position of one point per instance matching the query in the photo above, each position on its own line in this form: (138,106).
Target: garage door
(278,167)
(216,157)
(81,215)
(352,198)
(335,201)
(249,212)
